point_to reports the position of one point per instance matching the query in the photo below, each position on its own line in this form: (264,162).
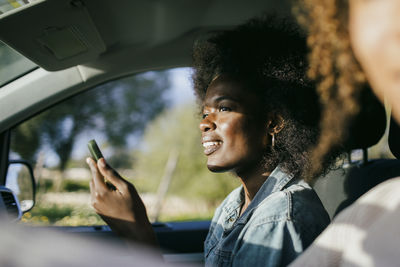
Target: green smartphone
(95,150)
(96,155)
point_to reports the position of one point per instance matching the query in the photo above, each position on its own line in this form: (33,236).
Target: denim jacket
(281,221)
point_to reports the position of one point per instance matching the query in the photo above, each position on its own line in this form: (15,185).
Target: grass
(45,213)
(74,186)
(66,208)
(65,215)
(186,217)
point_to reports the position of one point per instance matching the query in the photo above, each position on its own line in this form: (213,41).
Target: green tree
(178,129)
(118,109)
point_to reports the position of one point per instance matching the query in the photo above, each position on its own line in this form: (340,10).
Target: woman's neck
(252,181)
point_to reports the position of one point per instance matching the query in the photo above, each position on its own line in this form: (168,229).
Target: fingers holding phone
(120,200)
(97,155)
(121,207)
(97,177)
(112,203)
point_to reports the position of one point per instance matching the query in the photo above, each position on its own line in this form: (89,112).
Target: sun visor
(54,34)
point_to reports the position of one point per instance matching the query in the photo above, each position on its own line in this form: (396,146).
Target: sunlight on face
(374,27)
(233,139)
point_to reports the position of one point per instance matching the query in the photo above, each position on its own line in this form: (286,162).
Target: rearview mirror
(21,181)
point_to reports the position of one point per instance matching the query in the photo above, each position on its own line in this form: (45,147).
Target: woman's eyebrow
(215,100)
(224,97)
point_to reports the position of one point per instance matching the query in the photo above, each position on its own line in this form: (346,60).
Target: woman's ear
(275,124)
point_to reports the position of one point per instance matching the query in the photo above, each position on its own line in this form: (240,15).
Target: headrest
(394,138)
(367,128)
(361,178)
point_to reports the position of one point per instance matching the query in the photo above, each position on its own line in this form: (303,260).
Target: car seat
(362,178)
(394,140)
(342,186)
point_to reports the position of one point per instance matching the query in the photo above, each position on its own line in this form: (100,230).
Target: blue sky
(181,86)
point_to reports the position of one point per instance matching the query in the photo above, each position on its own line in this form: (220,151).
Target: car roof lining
(138,35)
(138,27)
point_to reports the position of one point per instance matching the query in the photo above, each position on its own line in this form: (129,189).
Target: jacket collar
(277,181)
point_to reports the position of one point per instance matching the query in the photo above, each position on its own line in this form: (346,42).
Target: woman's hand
(122,209)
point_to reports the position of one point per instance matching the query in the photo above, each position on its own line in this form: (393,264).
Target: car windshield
(12,64)
(8,5)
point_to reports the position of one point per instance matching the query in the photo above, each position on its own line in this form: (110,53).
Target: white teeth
(208,144)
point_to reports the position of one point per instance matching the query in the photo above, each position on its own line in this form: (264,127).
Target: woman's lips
(211,146)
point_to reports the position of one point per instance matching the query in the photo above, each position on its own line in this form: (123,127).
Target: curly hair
(333,66)
(268,56)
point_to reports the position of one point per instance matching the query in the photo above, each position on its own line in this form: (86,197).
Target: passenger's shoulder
(386,194)
(380,200)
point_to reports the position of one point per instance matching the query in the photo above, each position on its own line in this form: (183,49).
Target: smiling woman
(260,118)
(231,136)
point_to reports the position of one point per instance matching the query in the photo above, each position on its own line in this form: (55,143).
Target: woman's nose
(207,124)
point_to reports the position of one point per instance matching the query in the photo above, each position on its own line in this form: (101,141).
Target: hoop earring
(273,140)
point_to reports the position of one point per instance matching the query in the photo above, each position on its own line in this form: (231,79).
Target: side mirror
(21,181)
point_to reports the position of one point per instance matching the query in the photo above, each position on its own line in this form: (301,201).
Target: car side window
(147,128)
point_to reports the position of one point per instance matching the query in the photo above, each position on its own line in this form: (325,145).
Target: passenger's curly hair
(268,56)
(333,66)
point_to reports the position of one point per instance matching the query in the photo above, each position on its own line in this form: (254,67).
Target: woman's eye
(222,109)
(205,115)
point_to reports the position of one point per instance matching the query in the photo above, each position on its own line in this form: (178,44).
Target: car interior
(67,47)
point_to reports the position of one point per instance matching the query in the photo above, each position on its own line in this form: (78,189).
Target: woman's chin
(217,168)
